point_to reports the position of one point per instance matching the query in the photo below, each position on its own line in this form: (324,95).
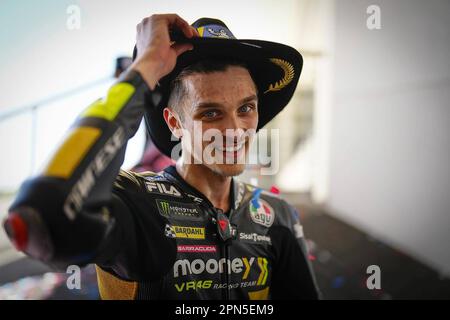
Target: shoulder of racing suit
(156,185)
(285,215)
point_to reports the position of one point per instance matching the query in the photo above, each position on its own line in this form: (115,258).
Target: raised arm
(67,214)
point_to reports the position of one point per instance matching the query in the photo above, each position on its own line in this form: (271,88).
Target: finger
(196,34)
(183,25)
(181,48)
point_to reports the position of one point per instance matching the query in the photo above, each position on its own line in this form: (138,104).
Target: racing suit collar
(236,191)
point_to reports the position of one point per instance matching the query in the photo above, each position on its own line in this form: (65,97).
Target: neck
(214,187)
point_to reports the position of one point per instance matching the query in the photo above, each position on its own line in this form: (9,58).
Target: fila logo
(162,188)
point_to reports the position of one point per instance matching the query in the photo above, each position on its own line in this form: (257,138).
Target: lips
(233,148)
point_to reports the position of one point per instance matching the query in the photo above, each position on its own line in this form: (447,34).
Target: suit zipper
(225,291)
(227,255)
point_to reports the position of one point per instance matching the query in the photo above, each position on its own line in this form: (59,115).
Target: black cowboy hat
(274,67)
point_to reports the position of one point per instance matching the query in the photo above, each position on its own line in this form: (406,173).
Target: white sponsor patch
(254,237)
(263,214)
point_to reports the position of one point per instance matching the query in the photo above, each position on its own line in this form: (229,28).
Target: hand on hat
(156,54)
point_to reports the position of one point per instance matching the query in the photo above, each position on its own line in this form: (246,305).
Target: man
(191,231)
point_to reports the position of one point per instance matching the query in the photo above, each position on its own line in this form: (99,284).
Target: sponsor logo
(169,231)
(208,284)
(243,265)
(189,232)
(96,167)
(244,284)
(262,263)
(151,176)
(262,213)
(193,285)
(254,237)
(194,198)
(177,210)
(218,33)
(197,248)
(163,188)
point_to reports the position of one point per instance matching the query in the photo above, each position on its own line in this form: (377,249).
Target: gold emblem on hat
(289,73)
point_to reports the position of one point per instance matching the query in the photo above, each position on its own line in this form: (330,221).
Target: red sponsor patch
(197,248)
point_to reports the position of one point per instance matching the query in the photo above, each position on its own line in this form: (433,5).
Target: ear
(173,122)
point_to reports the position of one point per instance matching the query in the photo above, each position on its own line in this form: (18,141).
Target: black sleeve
(292,276)
(140,250)
(67,213)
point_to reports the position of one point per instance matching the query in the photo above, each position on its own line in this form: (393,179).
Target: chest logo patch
(177,210)
(261,213)
(163,188)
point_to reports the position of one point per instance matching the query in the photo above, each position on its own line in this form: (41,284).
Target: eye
(246,108)
(210,114)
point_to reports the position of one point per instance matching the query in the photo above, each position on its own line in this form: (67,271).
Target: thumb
(181,48)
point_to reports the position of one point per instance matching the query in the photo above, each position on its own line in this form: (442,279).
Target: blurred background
(364,143)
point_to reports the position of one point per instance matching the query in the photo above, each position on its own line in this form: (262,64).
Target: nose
(232,130)
(232,122)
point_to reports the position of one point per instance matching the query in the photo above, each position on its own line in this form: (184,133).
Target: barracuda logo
(212,266)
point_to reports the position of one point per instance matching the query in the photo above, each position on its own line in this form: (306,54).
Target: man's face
(225,104)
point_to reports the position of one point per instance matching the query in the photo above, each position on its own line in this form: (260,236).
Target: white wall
(390,130)
(41,57)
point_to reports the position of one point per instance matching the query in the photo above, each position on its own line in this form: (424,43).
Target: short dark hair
(177,87)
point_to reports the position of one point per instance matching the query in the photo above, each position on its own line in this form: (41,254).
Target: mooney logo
(177,209)
(212,266)
(189,232)
(163,188)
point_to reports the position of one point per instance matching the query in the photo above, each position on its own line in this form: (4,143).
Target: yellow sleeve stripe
(72,151)
(113,288)
(259,295)
(108,108)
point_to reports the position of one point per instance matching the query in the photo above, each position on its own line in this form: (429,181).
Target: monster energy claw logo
(165,207)
(178,210)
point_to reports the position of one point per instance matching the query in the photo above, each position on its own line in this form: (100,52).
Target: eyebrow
(205,105)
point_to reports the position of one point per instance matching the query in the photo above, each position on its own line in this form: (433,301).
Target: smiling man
(191,231)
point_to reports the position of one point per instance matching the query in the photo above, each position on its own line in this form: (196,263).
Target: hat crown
(212,28)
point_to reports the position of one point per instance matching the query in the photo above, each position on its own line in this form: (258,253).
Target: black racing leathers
(153,236)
